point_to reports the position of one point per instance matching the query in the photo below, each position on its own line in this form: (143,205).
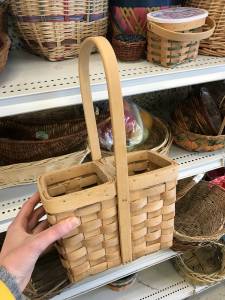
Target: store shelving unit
(30,83)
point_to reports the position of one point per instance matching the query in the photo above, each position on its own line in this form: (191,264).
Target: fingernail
(74,221)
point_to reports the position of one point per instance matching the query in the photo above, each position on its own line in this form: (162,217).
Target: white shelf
(156,283)
(30,83)
(191,163)
(111,275)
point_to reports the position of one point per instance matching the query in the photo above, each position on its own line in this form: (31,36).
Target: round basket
(204,265)
(215,45)
(35,139)
(55,30)
(123,283)
(173,43)
(129,47)
(160,139)
(196,142)
(200,216)
(4,49)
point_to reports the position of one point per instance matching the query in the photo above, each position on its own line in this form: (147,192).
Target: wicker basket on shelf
(34,138)
(123,216)
(129,47)
(200,215)
(214,45)
(159,140)
(203,265)
(55,31)
(4,49)
(175,43)
(196,142)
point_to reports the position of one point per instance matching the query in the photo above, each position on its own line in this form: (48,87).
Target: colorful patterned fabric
(129,16)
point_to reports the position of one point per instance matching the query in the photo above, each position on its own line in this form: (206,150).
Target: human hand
(27,238)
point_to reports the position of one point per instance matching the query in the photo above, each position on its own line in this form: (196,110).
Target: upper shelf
(30,83)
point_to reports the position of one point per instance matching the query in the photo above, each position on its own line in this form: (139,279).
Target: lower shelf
(161,282)
(191,163)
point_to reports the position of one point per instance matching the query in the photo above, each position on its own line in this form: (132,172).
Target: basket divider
(118,126)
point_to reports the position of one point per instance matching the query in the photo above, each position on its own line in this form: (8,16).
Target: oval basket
(61,135)
(204,265)
(199,216)
(196,142)
(160,139)
(4,50)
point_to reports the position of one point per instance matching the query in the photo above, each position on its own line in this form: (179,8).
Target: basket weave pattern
(125,202)
(56,31)
(215,45)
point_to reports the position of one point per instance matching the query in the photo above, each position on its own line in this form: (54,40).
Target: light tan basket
(122,217)
(172,44)
(27,173)
(215,45)
(55,29)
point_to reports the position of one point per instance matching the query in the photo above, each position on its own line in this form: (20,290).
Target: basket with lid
(174,34)
(122,216)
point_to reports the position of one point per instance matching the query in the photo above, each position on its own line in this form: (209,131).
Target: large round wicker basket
(55,31)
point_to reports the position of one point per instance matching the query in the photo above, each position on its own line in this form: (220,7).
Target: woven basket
(200,215)
(159,140)
(129,50)
(26,173)
(204,265)
(122,217)
(19,138)
(196,142)
(4,49)
(170,47)
(214,45)
(55,31)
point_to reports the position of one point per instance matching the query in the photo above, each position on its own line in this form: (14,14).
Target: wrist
(10,281)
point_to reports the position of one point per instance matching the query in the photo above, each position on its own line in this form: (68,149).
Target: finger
(27,209)
(41,227)
(54,233)
(35,217)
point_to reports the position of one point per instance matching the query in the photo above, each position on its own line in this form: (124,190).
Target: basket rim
(215,276)
(204,238)
(196,134)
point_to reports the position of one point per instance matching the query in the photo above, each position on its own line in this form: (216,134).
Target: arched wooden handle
(118,125)
(182,37)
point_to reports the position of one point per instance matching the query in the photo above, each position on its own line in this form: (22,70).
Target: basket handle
(118,126)
(182,37)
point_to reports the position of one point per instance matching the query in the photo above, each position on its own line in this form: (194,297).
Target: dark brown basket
(129,50)
(19,139)
(4,49)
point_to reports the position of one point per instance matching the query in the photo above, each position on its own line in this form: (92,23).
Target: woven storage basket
(200,216)
(159,140)
(4,49)
(122,217)
(214,45)
(169,47)
(204,265)
(129,50)
(19,143)
(196,142)
(26,173)
(55,30)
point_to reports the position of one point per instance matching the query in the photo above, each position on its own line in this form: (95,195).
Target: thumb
(54,233)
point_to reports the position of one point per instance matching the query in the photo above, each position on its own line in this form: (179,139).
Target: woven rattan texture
(94,246)
(152,211)
(129,51)
(170,53)
(55,31)
(204,265)
(215,45)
